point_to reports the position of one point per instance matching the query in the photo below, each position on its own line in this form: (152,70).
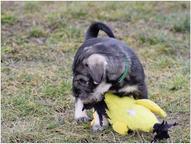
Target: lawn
(38,43)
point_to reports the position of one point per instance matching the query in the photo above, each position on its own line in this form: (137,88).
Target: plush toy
(126,113)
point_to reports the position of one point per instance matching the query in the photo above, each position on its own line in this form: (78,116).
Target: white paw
(97,127)
(82,119)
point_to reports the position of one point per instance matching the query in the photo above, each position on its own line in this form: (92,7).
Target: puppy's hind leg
(142,88)
(80,114)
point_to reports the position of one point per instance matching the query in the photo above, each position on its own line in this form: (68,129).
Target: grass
(36,32)
(39,40)
(8,19)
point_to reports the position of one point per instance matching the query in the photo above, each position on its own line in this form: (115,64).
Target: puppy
(101,65)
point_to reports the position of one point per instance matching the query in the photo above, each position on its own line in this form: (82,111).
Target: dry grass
(39,40)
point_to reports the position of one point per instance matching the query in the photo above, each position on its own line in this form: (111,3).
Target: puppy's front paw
(96,124)
(97,127)
(82,119)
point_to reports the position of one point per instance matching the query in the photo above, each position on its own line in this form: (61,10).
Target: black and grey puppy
(101,65)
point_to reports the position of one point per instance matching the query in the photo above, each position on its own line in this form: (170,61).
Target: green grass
(36,32)
(8,19)
(38,43)
(31,7)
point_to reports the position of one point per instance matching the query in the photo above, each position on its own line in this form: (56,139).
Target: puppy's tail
(94,28)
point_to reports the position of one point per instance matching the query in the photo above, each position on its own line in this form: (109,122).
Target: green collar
(124,74)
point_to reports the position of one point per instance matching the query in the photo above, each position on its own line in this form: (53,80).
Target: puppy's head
(88,78)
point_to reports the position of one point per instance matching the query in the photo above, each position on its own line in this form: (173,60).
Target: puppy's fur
(97,67)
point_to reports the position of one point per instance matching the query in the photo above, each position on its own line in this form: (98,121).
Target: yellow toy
(126,113)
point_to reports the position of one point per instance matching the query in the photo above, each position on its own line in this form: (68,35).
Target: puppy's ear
(96,64)
(97,73)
